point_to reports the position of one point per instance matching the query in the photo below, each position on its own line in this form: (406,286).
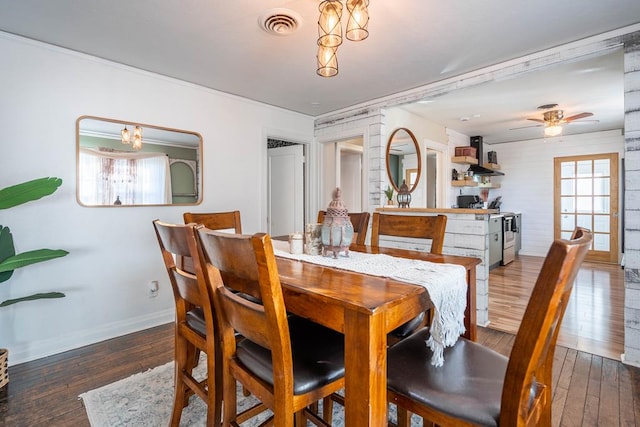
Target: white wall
(113,252)
(527,185)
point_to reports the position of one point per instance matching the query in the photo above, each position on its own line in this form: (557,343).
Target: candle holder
(337,230)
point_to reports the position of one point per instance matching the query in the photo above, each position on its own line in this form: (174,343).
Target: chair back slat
(215,220)
(529,372)
(411,226)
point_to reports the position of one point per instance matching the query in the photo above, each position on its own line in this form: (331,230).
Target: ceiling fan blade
(536,120)
(577,116)
(526,127)
(583,122)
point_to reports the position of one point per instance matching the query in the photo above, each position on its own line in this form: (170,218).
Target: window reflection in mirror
(166,170)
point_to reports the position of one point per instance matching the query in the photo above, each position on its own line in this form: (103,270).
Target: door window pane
(568,204)
(601,242)
(584,186)
(601,205)
(584,204)
(601,167)
(601,224)
(568,187)
(585,221)
(567,169)
(584,168)
(601,186)
(568,222)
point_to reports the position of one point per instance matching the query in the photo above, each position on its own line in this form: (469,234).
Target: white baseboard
(35,350)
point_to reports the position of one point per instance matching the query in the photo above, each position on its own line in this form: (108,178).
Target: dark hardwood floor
(589,390)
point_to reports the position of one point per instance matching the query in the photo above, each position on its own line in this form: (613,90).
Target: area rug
(146,399)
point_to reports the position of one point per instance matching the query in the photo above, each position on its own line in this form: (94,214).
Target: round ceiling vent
(280,22)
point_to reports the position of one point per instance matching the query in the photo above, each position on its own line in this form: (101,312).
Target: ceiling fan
(553,119)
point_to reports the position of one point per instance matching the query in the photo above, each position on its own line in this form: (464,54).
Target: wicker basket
(4,370)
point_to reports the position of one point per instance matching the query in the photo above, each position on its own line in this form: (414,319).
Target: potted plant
(9,197)
(389,193)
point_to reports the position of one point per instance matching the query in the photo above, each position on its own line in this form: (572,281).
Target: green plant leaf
(45,295)
(7,249)
(28,191)
(31,257)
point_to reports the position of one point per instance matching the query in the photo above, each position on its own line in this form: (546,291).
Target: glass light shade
(327,61)
(126,137)
(137,138)
(329,26)
(358,20)
(553,130)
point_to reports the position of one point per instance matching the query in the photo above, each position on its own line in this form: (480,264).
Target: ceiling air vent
(280,22)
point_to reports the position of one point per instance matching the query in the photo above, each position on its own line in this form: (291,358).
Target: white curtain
(131,178)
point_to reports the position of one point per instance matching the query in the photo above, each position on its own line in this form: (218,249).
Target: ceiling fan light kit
(553,119)
(330,31)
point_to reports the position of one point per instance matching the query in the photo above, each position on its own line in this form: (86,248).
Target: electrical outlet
(153,288)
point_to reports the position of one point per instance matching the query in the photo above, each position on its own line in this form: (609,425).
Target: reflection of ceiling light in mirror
(137,138)
(126,138)
(552,130)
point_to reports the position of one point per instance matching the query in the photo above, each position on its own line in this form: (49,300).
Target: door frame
(612,256)
(309,155)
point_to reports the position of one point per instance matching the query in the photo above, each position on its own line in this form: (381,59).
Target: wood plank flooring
(594,320)
(589,390)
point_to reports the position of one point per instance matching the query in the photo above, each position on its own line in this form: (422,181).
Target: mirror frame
(418,155)
(197,168)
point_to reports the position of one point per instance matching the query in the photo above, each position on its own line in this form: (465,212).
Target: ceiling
(221,45)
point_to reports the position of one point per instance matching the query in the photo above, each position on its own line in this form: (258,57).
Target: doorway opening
(286,187)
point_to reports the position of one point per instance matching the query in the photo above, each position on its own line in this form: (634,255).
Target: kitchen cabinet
(495,241)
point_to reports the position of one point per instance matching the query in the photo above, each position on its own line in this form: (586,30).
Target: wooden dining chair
(430,227)
(360,222)
(288,362)
(195,326)
(215,220)
(229,221)
(478,386)
(427,227)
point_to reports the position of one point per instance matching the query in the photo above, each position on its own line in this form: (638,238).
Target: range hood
(476,142)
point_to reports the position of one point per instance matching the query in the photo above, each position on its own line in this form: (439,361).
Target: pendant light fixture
(137,137)
(330,31)
(126,137)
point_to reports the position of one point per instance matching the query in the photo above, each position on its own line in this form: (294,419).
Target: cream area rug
(146,399)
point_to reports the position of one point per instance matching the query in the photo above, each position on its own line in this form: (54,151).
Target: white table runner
(446,284)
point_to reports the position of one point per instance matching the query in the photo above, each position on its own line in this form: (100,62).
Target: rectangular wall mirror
(121,163)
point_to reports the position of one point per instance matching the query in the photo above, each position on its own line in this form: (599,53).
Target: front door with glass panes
(586,195)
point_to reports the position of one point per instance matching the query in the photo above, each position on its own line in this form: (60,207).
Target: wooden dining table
(365,308)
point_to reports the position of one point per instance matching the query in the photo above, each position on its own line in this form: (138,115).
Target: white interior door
(286,190)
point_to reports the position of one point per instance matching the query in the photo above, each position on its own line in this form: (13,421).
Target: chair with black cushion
(195,325)
(360,222)
(478,386)
(288,362)
(425,227)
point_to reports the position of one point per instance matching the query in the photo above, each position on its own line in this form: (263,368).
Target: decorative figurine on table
(337,230)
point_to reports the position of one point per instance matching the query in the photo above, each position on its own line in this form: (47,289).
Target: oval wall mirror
(121,163)
(403,159)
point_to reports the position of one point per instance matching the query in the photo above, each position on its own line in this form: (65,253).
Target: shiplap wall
(632,200)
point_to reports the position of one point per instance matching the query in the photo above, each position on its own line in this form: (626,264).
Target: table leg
(470,316)
(365,370)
